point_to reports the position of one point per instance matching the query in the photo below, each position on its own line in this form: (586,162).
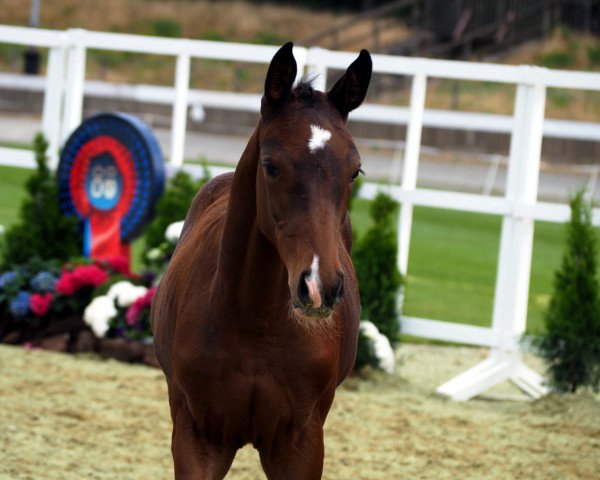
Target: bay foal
(256,318)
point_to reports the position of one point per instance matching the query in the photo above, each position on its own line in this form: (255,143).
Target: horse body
(256,318)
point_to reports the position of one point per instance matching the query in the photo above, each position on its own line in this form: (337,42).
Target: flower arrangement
(38,293)
(374,349)
(123,312)
(157,258)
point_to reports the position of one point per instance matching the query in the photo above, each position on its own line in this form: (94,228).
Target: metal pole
(34,16)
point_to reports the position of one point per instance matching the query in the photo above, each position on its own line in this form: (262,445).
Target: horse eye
(355,174)
(271,170)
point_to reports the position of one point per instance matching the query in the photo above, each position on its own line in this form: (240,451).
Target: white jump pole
(410,166)
(505,360)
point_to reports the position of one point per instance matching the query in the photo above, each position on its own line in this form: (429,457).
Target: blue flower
(19,306)
(7,278)
(43,282)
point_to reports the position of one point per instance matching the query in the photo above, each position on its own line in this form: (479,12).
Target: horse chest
(236,385)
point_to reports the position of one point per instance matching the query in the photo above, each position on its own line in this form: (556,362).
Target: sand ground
(73,417)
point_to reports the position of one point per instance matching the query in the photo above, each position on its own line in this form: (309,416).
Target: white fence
(65,86)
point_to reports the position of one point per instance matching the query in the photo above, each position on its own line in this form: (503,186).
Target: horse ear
(350,90)
(281,75)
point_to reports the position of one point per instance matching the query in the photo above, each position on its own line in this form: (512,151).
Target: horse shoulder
(200,235)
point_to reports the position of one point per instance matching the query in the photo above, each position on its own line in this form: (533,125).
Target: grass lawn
(452,262)
(12,193)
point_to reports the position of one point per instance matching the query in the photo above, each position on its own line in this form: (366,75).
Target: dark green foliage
(571,344)
(593,54)
(365,353)
(43,231)
(374,258)
(165,27)
(172,207)
(557,59)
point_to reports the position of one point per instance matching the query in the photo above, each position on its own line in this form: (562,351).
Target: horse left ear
(281,75)
(350,90)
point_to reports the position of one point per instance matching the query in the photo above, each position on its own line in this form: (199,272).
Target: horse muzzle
(316,300)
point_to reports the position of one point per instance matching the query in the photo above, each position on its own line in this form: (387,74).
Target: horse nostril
(303,294)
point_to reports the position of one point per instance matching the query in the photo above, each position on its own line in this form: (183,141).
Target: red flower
(90,275)
(39,303)
(72,280)
(67,283)
(133,313)
(118,264)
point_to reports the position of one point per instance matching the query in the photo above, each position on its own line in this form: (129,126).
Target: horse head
(306,167)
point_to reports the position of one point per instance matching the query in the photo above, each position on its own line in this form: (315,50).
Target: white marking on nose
(313,282)
(318,138)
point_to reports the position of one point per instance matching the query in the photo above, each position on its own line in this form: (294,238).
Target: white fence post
(317,68)
(410,167)
(53,96)
(180,107)
(75,80)
(514,266)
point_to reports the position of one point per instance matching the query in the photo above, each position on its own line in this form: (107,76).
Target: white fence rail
(65,87)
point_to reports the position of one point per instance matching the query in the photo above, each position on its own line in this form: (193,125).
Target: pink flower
(132,316)
(39,303)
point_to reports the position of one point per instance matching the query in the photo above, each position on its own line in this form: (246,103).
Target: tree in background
(173,206)
(571,344)
(374,258)
(43,231)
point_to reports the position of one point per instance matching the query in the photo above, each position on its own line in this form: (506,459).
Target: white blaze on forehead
(313,281)
(318,138)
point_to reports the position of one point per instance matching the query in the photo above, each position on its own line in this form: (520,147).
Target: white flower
(125,293)
(369,329)
(381,345)
(99,313)
(153,254)
(173,231)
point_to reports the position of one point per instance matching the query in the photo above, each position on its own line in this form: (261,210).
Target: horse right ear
(350,90)
(281,75)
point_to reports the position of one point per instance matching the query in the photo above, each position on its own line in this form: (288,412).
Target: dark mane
(304,90)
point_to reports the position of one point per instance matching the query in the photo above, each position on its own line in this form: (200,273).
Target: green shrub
(571,344)
(43,231)
(267,38)
(375,261)
(593,54)
(172,207)
(165,27)
(557,59)
(213,36)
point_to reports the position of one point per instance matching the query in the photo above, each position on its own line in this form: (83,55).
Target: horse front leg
(193,457)
(299,456)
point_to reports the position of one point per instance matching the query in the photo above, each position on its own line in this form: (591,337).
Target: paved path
(437,169)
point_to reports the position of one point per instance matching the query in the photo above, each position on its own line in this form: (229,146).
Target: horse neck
(249,267)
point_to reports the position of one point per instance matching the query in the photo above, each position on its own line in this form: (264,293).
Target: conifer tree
(571,344)
(43,231)
(378,277)
(173,206)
